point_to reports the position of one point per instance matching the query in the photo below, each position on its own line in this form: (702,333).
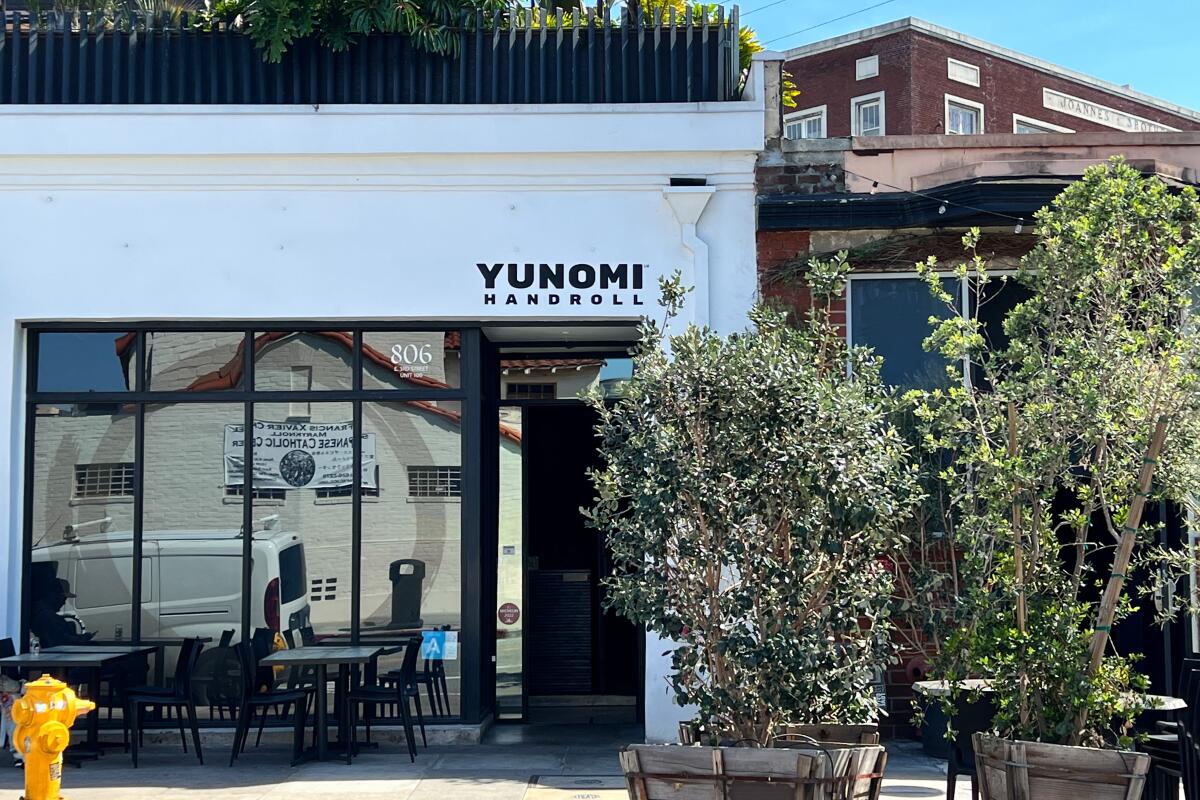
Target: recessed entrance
(561,658)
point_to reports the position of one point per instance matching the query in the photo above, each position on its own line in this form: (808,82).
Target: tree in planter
(1091,411)
(750,491)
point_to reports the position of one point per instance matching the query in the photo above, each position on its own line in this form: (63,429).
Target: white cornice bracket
(688,204)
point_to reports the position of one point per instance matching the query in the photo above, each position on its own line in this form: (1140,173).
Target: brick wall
(913,73)
(828,79)
(785,178)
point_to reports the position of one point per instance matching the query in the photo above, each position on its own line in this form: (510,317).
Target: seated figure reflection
(49,594)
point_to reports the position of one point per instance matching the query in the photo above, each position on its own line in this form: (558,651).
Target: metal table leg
(322,743)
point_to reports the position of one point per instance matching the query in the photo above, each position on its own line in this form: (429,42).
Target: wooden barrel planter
(816,772)
(1014,770)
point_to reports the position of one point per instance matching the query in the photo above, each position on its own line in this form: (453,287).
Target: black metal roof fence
(525,56)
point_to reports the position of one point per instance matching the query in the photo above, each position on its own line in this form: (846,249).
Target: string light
(943,205)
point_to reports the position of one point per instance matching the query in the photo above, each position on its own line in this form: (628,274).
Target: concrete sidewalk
(515,763)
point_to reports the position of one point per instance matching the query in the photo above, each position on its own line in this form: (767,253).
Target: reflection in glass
(891,316)
(302,361)
(615,376)
(549,378)
(411,533)
(510,606)
(82,574)
(411,359)
(192,534)
(193,361)
(86,362)
(302,473)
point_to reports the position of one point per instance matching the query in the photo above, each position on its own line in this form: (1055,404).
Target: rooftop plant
(1090,413)
(751,491)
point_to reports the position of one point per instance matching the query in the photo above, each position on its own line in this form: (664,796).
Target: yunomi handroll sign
(299,455)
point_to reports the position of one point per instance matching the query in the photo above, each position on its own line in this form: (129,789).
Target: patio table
(93,658)
(322,658)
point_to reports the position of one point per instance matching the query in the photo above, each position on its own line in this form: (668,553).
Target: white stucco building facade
(333,216)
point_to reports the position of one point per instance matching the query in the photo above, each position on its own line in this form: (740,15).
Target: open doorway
(561,658)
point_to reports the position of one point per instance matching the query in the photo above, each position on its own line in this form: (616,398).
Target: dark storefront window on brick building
(891,315)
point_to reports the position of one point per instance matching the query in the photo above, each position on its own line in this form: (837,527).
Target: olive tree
(751,490)
(1088,414)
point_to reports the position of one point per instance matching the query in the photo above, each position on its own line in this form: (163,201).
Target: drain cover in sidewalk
(576,787)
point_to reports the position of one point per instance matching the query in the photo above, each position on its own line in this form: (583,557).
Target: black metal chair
(253,700)
(177,697)
(399,687)
(433,678)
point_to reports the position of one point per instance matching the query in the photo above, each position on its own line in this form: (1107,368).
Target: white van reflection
(191,582)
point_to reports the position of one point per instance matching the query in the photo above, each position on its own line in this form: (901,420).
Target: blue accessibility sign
(439,645)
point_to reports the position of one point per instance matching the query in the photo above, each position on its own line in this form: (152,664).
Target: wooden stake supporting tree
(1091,411)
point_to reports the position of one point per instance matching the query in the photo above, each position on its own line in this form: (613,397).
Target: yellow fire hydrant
(44,716)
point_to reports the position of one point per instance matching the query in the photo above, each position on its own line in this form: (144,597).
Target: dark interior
(583,663)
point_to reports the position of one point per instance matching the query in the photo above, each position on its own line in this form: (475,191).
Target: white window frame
(862,99)
(951,63)
(962,101)
(866,67)
(1049,126)
(964,299)
(815,111)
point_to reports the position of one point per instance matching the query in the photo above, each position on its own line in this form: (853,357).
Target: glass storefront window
(302,490)
(411,534)
(411,360)
(86,362)
(196,493)
(82,557)
(510,578)
(193,538)
(549,378)
(303,361)
(192,361)
(81,562)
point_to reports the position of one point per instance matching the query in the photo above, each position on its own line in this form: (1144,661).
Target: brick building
(892,200)
(912,77)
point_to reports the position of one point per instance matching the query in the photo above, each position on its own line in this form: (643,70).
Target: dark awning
(973,202)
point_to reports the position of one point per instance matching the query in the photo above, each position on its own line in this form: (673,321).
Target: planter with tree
(751,492)
(1088,413)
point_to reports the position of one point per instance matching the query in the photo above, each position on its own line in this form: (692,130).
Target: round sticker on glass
(509,613)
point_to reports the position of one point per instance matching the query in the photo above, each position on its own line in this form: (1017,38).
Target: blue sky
(1150,45)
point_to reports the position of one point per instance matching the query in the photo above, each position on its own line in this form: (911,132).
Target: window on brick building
(806,124)
(963,116)
(1023,124)
(962,72)
(890,313)
(867,67)
(867,115)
